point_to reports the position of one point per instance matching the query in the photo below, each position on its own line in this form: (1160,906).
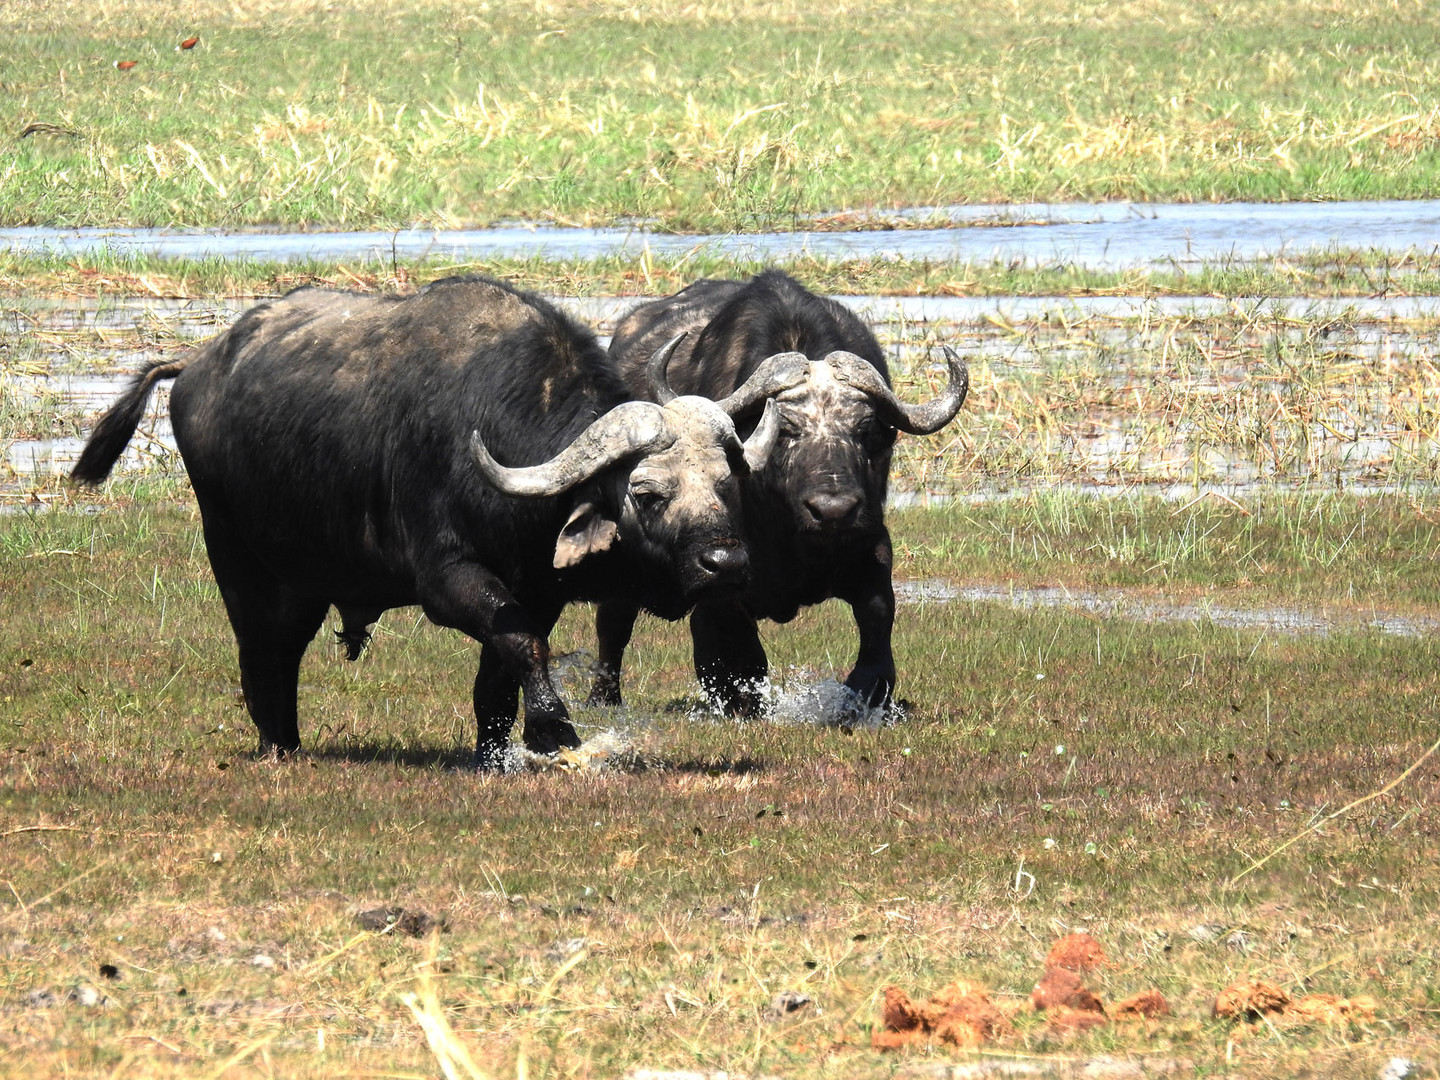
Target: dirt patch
(410,921)
(961,1015)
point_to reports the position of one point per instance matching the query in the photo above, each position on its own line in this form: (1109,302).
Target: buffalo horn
(636,427)
(912,419)
(775,373)
(762,439)
(655,370)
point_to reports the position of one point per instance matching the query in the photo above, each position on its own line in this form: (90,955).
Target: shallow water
(202,318)
(1098,235)
(1117,604)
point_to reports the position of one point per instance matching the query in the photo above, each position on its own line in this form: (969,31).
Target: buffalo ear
(586,533)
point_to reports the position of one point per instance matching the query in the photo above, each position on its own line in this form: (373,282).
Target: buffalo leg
(273,625)
(871,597)
(614,623)
(729,659)
(497,699)
(514,653)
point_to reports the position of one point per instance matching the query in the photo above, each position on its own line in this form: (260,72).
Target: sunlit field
(1058,768)
(698,116)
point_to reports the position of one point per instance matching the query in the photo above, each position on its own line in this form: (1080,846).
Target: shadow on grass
(463,760)
(717,766)
(415,757)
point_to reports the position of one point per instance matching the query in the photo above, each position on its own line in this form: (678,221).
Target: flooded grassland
(1102,393)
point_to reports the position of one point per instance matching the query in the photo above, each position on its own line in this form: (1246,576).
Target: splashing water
(801,697)
(806,697)
(609,750)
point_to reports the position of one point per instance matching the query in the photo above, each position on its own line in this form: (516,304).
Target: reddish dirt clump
(1076,952)
(1061,988)
(899,1012)
(1146,1005)
(1072,1006)
(961,1014)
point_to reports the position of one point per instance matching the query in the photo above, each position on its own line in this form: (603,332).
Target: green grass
(700,116)
(1160,759)
(1315,549)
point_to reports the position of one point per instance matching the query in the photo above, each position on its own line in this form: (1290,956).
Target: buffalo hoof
(550,736)
(871,685)
(490,757)
(737,702)
(744,707)
(604,692)
(273,751)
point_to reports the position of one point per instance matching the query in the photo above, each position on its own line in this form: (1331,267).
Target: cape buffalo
(814,513)
(340,448)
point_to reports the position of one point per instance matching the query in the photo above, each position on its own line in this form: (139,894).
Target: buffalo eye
(647,499)
(877,437)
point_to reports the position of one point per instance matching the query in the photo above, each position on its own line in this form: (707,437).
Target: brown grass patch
(1332,1009)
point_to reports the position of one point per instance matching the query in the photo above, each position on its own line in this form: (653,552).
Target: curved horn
(912,419)
(655,370)
(762,439)
(632,428)
(775,373)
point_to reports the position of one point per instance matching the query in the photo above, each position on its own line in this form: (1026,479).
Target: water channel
(1112,236)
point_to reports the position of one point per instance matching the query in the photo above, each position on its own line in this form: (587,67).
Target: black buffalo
(340,448)
(815,513)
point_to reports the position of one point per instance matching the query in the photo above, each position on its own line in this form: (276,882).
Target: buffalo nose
(832,507)
(724,561)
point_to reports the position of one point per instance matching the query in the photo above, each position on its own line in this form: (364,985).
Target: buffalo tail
(107,442)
